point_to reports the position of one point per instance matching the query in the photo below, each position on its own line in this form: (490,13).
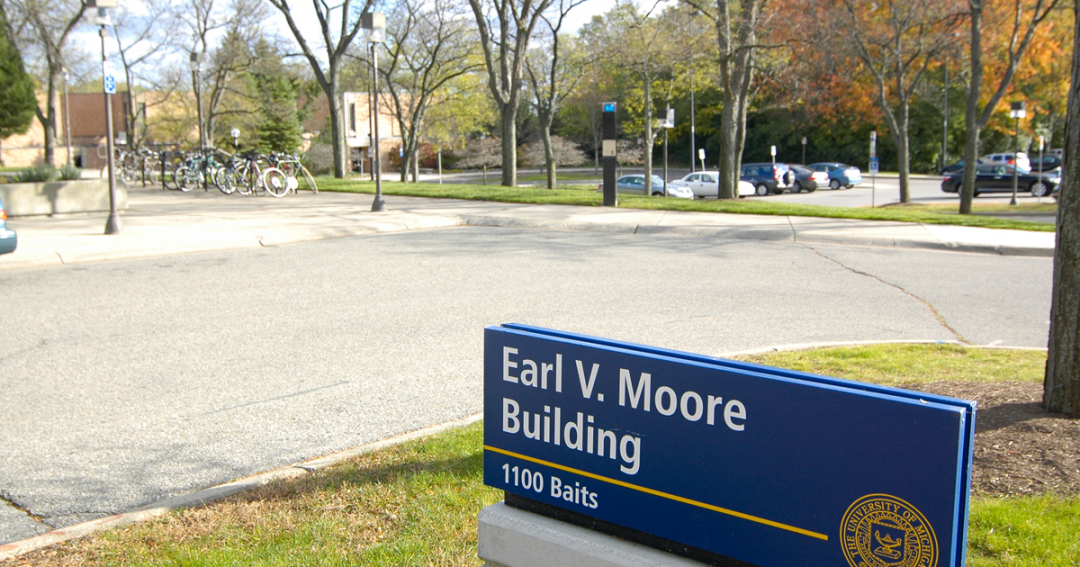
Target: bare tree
(42,30)
(974,119)
(141,36)
(1061,386)
(896,41)
(241,22)
(506,27)
(552,77)
(429,45)
(335,49)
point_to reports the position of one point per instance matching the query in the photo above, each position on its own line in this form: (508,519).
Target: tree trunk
(903,152)
(1061,386)
(49,125)
(509,145)
(337,129)
(971,112)
(549,152)
(728,153)
(648,136)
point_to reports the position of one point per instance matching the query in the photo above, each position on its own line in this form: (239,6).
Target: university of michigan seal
(879,530)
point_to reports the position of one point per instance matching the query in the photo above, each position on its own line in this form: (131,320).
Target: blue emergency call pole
(609,157)
(108,68)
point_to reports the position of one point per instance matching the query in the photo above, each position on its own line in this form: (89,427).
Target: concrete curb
(218,492)
(760,234)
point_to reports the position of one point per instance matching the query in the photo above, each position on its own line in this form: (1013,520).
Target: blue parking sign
(873,165)
(108,69)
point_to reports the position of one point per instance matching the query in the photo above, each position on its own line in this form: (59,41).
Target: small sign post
(609,158)
(873,168)
(1018,111)
(701,156)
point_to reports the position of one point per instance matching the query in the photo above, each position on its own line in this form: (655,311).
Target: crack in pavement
(938,316)
(6,499)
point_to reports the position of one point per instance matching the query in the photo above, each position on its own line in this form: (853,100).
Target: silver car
(707,184)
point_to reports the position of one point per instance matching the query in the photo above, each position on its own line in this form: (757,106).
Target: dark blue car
(8,239)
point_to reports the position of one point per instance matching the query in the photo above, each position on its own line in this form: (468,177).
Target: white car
(1022,160)
(706,184)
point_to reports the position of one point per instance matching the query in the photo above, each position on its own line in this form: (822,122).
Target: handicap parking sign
(873,165)
(109,73)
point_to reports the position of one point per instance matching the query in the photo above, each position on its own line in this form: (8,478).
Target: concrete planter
(60,197)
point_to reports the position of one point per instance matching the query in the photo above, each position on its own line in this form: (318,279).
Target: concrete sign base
(510,537)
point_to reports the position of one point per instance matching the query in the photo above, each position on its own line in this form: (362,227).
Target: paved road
(131,380)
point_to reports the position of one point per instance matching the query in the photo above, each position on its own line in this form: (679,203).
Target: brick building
(88,128)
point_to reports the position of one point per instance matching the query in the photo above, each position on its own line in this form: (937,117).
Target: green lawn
(588,196)
(416,504)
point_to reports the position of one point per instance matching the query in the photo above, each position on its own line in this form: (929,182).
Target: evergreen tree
(279,128)
(17,100)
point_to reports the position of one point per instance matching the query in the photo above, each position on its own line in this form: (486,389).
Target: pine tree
(17,100)
(279,128)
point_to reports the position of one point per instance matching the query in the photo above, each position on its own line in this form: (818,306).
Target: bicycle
(251,176)
(292,168)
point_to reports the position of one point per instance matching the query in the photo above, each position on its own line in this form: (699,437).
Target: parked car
(840,175)
(635,184)
(8,238)
(1008,158)
(707,184)
(767,177)
(807,179)
(1048,163)
(991,178)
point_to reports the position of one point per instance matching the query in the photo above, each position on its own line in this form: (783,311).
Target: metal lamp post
(1018,111)
(375,23)
(112,226)
(196,71)
(67,115)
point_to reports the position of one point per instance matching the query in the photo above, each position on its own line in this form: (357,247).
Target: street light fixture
(375,23)
(112,226)
(1018,111)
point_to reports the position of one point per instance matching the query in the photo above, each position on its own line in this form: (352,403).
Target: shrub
(36,174)
(68,172)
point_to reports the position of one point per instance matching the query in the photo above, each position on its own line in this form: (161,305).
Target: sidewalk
(160,222)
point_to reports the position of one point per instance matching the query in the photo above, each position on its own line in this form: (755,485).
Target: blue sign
(768,466)
(609,107)
(873,165)
(108,69)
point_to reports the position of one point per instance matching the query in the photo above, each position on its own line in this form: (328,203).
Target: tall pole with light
(108,69)
(196,72)
(375,23)
(1018,110)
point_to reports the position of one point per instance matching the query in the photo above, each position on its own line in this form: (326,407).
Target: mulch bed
(1020,449)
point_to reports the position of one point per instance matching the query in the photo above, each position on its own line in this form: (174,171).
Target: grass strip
(416,504)
(588,196)
(893,364)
